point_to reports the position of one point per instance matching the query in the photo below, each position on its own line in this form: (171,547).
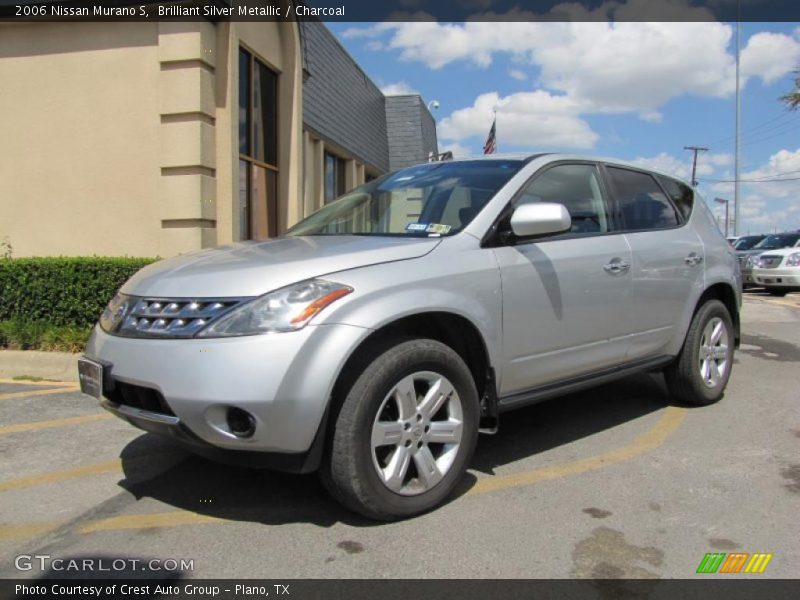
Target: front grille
(172,318)
(742,259)
(140,397)
(768,261)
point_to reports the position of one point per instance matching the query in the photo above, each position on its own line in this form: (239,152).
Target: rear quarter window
(680,194)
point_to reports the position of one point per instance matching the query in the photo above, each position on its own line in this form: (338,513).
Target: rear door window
(642,203)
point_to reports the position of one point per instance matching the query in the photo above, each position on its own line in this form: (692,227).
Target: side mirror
(540,218)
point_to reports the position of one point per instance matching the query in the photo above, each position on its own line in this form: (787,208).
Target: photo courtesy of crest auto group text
(329,298)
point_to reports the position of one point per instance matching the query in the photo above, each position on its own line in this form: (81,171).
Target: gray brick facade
(340,103)
(343,105)
(411,130)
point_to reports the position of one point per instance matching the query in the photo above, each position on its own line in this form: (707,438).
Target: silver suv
(381,334)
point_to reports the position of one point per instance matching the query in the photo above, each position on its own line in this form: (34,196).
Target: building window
(258,148)
(334,177)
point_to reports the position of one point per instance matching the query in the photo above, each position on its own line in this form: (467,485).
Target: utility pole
(695,149)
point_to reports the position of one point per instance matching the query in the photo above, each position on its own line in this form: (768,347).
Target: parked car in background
(746,242)
(732,240)
(379,336)
(771,242)
(778,271)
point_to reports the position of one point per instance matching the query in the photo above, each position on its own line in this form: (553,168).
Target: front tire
(701,371)
(405,433)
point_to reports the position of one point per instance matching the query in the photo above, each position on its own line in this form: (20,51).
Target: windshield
(776,241)
(431,200)
(747,242)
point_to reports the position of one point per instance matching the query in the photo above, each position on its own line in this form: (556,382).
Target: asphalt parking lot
(615,482)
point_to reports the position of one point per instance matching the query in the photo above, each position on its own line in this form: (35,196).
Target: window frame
(339,176)
(273,208)
(604,166)
(500,234)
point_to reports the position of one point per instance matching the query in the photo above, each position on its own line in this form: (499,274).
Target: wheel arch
(452,329)
(725,293)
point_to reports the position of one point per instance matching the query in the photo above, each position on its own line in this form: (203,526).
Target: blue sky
(635,91)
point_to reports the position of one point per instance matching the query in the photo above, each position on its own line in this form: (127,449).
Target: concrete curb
(61,366)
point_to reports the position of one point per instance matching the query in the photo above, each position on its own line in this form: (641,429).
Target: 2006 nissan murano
(377,337)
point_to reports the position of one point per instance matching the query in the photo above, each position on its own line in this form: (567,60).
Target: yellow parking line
(32,393)
(650,440)
(667,424)
(25,530)
(37,425)
(111,466)
(145,521)
(42,382)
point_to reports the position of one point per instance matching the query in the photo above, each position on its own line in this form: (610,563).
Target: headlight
(793,260)
(114,312)
(287,309)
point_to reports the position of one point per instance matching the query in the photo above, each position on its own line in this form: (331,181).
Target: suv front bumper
(284,380)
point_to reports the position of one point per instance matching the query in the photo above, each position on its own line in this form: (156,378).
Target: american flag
(490,147)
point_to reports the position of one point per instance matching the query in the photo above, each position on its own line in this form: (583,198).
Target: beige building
(158,138)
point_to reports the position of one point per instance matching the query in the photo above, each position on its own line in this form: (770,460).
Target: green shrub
(60,291)
(36,335)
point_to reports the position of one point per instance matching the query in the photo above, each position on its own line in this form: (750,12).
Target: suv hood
(255,268)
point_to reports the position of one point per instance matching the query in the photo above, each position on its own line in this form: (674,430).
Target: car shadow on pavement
(554,423)
(201,486)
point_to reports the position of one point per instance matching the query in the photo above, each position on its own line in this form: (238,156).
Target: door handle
(693,259)
(617,266)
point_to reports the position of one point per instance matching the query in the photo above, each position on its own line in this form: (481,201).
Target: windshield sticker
(416,227)
(438,228)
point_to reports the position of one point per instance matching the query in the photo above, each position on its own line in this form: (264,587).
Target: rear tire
(773,291)
(406,432)
(701,371)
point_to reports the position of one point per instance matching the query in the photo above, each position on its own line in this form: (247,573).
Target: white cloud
(373,45)
(517,74)
(765,206)
(458,150)
(651,116)
(769,56)
(400,88)
(610,67)
(682,166)
(528,119)
(784,164)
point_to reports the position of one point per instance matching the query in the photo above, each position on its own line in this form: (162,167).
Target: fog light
(240,422)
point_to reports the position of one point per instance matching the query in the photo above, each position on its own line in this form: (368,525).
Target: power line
(746,132)
(750,180)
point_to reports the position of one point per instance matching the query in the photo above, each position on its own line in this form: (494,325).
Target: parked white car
(778,271)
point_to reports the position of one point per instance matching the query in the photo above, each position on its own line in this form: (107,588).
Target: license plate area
(93,377)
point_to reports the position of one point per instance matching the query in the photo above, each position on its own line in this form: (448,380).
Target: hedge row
(62,291)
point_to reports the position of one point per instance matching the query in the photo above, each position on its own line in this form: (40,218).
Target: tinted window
(642,203)
(681,194)
(747,242)
(778,240)
(578,188)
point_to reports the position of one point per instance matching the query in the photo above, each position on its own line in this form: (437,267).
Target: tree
(792,99)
